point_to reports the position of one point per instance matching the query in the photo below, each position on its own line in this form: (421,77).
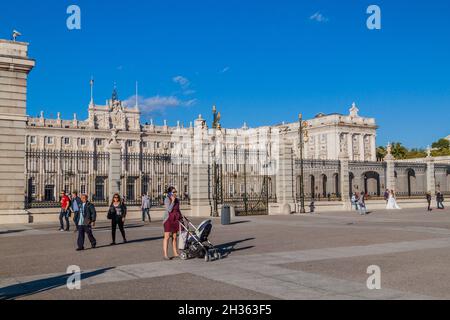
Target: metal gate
(242,179)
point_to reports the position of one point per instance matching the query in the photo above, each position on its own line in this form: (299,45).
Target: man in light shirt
(146,206)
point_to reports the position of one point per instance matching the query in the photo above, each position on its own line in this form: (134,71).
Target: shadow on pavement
(131,241)
(130,226)
(239,222)
(12,231)
(37,286)
(227,248)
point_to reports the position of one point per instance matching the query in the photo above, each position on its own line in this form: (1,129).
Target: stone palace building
(255,170)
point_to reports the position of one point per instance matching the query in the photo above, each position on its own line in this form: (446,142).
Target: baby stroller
(194,243)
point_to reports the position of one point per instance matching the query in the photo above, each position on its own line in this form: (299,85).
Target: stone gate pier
(14,68)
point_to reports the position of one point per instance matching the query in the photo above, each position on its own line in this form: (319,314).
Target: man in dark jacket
(440,200)
(86,221)
(429,201)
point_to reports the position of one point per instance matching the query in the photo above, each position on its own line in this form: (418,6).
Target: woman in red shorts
(171,221)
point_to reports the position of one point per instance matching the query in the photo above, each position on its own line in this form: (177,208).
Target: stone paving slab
(271,257)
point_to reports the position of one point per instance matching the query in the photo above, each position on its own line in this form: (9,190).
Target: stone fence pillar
(14,68)
(284,176)
(390,172)
(431,178)
(199,171)
(115,168)
(344,181)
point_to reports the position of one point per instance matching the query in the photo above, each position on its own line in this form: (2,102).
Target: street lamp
(303,137)
(215,126)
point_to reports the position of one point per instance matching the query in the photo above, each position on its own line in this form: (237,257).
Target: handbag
(110,214)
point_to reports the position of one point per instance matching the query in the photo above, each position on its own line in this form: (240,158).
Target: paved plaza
(322,256)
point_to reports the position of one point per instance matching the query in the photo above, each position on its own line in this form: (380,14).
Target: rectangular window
(99,142)
(130,190)
(49,193)
(144,144)
(50,140)
(99,189)
(129,143)
(33,140)
(83,141)
(66,141)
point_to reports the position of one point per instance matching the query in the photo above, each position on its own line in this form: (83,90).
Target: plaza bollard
(226,215)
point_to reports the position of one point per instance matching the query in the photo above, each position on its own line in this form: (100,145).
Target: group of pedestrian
(85,216)
(439,201)
(359,202)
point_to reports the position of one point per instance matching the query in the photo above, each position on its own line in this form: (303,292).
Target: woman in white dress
(392,202)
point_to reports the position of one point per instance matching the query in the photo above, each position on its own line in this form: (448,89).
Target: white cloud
(224,70)
(158,104)
(182,81)
(185,84)
(318,17)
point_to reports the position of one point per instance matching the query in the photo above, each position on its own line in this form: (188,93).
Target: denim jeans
(362,209)
(146,212)
(64,215)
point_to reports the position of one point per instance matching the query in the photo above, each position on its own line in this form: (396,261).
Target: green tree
(416,153)
(399,151)
(381,152)
(441,144)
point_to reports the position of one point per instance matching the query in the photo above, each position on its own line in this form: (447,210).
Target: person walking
(354,201)
(75,207)
(362,204)
(88,216)
(171,222)
(429,201)
(117,214)
(440,200)
(386,196)
(392,202)
(64,212)
(146,206)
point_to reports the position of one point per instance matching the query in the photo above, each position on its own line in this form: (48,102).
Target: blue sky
(261,62)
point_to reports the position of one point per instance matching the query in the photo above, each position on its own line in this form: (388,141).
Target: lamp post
(303,136)
(215,126)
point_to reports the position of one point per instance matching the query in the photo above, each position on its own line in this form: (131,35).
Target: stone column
(199,171)
(344,181)
(284,183)
(14,68)
(115,168)
(390,172)
(431,178)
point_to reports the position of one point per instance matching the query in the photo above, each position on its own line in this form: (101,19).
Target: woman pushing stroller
(171,222)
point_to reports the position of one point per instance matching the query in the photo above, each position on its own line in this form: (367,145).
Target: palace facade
(327,134)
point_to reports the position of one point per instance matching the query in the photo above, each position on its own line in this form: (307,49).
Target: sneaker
(94,246)
(80,249)
(61,230)
(112,244)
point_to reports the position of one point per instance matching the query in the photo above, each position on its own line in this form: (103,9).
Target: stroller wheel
(216,255)
(183,256)
(207,258)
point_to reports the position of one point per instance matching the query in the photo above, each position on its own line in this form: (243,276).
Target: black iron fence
(152,174)
(50,172)
(244,179)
